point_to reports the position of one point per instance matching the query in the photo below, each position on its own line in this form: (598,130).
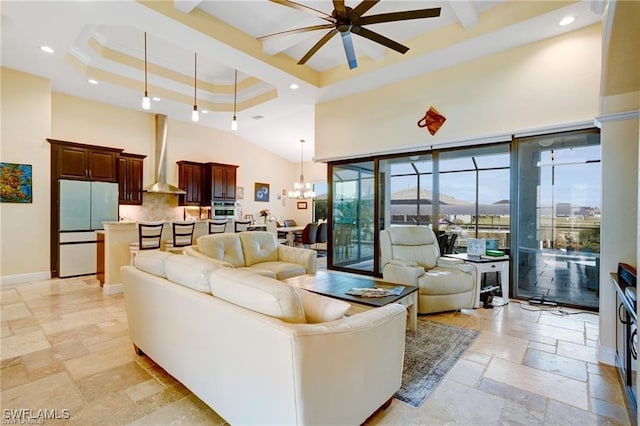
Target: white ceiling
(105,40)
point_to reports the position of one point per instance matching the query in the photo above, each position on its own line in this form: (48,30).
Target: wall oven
(224,209)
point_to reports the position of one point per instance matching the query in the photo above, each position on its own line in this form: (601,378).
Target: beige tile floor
(65,346)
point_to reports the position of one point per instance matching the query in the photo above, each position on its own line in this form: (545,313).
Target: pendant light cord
(301,161)
(195,77)
(145,63)
(235,93)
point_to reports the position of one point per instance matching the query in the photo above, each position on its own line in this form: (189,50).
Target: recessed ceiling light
(294,86)
(155,98)
(567,20)
(204,111)
(92,81)
(47,49)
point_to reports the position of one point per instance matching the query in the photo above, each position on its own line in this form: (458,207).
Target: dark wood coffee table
(336,284)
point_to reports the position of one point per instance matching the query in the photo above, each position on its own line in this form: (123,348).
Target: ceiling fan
(346,21)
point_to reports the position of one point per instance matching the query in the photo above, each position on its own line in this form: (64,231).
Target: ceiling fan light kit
(346,21)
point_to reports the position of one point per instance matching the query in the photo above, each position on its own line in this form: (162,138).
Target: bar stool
(217,226)
(149,238)
(241,225)
(182,236)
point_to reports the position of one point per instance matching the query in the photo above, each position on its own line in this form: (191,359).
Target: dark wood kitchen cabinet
(130,175)
(220,180)
(84,162)
(191,180)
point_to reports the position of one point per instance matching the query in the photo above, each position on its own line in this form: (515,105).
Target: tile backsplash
(154,207)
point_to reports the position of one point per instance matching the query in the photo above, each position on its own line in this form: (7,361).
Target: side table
(484,264)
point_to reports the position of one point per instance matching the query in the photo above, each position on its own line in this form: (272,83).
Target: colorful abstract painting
(15,183)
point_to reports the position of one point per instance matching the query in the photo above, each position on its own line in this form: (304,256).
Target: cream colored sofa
(258,351)
(256,250)
(411,255)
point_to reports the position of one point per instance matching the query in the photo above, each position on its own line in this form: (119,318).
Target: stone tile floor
(65,346)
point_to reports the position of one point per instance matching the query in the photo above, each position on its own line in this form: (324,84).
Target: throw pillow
(152,262)
(257,293)
(319,308)
(190,272)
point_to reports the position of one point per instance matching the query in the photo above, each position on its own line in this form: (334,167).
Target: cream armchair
(410,255)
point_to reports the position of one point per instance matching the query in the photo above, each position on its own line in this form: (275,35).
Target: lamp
(234,121)
(302,189)
(146,102)
(194,114)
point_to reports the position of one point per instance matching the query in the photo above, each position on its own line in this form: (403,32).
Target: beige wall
(541,84)
(24,228)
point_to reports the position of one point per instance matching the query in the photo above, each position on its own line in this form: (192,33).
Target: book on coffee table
(375,291)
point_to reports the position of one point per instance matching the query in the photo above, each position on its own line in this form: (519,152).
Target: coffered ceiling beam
(465,12)
(186,6)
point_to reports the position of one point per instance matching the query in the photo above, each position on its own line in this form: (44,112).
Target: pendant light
(146,102)
(302,189)
(194,114)
(234,121)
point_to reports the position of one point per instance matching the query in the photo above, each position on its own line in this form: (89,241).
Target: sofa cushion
(152,261)
(257,293)
(259,247)
(225,247)
(318,308)
(281,270)
(190,272)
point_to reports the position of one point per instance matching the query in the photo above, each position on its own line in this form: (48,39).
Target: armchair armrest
(447,262)
(301,256)
(402,274)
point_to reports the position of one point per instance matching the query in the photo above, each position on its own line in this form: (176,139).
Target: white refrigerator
(83,206)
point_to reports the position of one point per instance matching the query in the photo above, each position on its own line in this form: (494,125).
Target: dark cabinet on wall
(204,182)
(130,176)
(221,181)
(191,180)
(84,162)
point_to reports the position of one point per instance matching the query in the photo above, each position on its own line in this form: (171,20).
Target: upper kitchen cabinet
(220,180)
(130,175)
(72,160)
(191,180)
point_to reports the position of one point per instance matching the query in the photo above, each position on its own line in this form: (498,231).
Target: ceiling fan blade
(364,7)
(347,43)
(317,46)
(378,38)
(303,8)
(341,10)
(399,16)
(296,31)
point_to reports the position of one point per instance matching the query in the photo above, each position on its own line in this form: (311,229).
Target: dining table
(291,232)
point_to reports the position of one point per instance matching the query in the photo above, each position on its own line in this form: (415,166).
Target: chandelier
(302,189)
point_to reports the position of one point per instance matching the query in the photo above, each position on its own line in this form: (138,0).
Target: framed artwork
(261,191)
(240,193)
(15,183)
(302,205)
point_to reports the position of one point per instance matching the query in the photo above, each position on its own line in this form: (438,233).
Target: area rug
(429,354)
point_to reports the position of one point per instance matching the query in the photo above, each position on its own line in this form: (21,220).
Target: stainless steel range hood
(161,186)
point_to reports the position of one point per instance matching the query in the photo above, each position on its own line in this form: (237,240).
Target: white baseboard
(24,278)
(108,289)
(606,355)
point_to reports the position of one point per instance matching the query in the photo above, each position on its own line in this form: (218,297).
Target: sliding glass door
(558,227)
(352,217)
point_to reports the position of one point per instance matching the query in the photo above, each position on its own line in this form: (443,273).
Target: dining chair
(308,236)
(241,225)
(217,226)
(182,236)
(321,237)
(149,238)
